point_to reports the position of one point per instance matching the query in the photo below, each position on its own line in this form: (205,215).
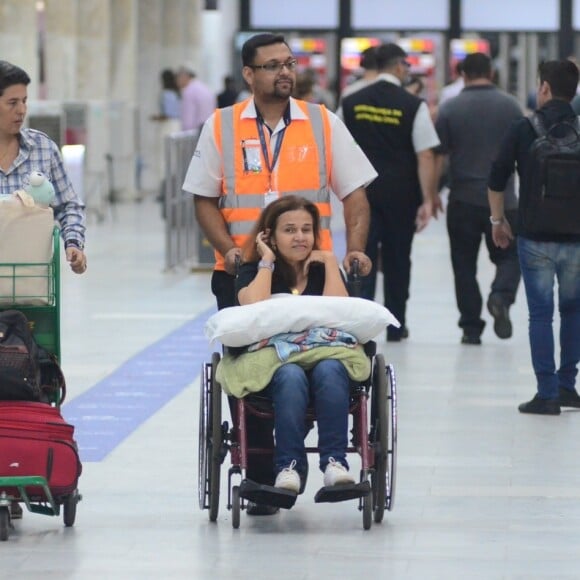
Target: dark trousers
(259,431)
(466,224)
(391,236)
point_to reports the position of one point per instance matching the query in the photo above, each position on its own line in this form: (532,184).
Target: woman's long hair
(268,220)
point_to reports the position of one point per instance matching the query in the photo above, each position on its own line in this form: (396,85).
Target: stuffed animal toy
(40,189)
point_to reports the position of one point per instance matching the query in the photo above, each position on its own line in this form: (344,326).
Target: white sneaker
(336,474)
(288,478)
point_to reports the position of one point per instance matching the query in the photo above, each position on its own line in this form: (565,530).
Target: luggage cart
(34,289)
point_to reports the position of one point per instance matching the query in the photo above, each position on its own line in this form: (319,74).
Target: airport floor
(482,491)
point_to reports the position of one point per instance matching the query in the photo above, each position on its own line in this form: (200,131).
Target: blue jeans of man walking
(292,388)
(541,264)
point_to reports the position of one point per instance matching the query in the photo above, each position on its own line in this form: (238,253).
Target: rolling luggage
(39,462)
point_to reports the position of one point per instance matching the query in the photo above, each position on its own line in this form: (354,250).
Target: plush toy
(40,189)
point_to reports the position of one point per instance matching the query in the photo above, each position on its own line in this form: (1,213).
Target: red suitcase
(36,441)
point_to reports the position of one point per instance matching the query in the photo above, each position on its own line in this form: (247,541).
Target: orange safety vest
(303,169)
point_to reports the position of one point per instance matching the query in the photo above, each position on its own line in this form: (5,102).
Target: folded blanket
(252,371)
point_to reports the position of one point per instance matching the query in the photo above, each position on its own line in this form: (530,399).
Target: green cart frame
(43,313)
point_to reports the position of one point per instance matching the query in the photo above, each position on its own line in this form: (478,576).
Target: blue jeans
(541,263)
(291,389)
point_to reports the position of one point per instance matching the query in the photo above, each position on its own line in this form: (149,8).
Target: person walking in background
(455,87)
(230,93)
(415,85)
(368,65)
(304,88)
(395,130)
(471,127)
(170,99)
(548,241)
(198,101)
(256,151)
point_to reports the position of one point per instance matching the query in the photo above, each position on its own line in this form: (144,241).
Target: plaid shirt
(39,153)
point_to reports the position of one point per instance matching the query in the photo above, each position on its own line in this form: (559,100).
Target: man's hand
(424,214)
(437,207)
(502,234)
(77,260)
(230,260)
(364,262)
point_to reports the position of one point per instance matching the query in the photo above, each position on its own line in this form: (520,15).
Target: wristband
(266,264)
(495,222)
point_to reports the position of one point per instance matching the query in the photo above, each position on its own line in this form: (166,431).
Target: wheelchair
(373,407)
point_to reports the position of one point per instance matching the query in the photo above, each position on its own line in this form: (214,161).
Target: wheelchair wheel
(379,436)
(236,507)
(367,507)
(391,478)
(202,441)
(210,439)
(215,444)
(383,428)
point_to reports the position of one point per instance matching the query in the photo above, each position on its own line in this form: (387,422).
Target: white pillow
(243,325)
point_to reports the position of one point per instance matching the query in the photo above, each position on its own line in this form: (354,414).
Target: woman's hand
(262,245)
(321,256)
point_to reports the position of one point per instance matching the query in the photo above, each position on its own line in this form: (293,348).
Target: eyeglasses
(275,66)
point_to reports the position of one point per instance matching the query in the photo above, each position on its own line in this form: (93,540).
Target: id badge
(251,155)
(270,197)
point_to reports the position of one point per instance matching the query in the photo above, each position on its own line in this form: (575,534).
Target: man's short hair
(250,47)
(388,55)
(476,66)
(11,75)
(562,76)
(368,58)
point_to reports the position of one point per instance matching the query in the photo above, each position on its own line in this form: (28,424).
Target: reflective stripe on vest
(303,169)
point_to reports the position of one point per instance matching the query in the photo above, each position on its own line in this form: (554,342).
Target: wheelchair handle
(355,281)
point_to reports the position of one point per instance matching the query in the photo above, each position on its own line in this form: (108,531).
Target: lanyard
(265,151)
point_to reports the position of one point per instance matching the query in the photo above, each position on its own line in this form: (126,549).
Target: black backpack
(553,202)
(19,359)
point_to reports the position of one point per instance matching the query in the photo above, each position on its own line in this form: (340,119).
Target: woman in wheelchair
(282,256)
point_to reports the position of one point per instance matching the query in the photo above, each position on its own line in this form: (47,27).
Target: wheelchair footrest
(336,493)
(267,494)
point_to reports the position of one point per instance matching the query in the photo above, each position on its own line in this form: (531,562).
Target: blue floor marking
(107,413)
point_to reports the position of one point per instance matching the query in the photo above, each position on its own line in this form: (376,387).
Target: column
(19,38)
(94,48)
(61,57)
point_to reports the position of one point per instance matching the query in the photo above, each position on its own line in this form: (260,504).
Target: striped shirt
(39,153)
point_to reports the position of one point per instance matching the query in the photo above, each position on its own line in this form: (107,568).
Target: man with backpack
(546,151)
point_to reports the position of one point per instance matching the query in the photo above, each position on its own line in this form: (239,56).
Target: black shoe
(502,324)
(541,406)
(569,398)
(258,509)
(470,339)
(397,334)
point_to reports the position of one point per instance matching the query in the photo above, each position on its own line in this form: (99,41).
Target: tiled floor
(483,492)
